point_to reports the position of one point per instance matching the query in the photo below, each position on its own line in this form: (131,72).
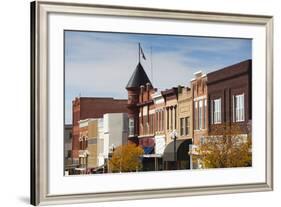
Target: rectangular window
(202,140)
(200,114)
(69,153)
(145,124)
(239,108)
(158,121)
(141,125)
(212,111)
(181,126)
(162,120)
(92,141)
(217,111)
(151,124)
(175,111)
(205,113)
(172,117)
(167,111)
(187,125)
(86,143)
(195,115)
(131,126)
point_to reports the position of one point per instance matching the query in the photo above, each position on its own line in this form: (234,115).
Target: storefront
(176,155)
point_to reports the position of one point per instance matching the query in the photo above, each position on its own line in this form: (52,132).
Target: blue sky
(100,64)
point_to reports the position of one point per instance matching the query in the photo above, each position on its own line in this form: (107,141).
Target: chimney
(198,74)
(141,93)
(180,88)
(148,86)
(141,89)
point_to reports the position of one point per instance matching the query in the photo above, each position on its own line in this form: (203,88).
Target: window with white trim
(238,108)
(187,125)
(205,114)
(200,114)
(195,115)
(181,126)
(202,140)
(131,126)
(217,111)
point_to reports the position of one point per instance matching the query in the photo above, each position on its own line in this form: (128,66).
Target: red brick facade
(225,84)
(146,116)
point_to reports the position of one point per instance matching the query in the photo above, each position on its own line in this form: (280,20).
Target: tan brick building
(89,131)
(185,113)
(171,105)
(89,108)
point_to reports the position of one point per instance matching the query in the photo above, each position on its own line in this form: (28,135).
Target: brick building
(88,136)
(139,78)
(159,126)
(178,119)
(92,107)
(171,104)
(222,96)
(146,116)
(67,149)
(230,96)
(200,106)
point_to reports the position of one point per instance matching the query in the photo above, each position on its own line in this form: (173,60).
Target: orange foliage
(126,158)
(226,147)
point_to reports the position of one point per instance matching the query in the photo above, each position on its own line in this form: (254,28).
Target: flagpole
(151,65)
(139,52)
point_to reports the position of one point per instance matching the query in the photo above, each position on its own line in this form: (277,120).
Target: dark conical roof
(138,78)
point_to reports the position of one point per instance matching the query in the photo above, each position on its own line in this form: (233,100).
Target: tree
(226,146)
(126,158)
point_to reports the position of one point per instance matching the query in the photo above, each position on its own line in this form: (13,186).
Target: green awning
(182,149)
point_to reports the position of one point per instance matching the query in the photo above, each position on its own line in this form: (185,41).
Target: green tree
(126,158)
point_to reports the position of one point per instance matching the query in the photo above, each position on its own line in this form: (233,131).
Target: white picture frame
(41,104)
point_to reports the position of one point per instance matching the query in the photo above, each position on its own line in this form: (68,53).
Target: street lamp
(174,135)
(110,154)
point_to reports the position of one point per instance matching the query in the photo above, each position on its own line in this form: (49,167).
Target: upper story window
(181,126)
(205,114)
(195,115)
(216,111)
(202,140)
(184,126)
(131,126)
(200,114)
(168,119)
(187,125)
(238,108)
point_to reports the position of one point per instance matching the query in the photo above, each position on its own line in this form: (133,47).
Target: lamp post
(110,154)
(174,135)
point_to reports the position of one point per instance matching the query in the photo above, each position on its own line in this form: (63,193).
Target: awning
(147,150)
(182,149)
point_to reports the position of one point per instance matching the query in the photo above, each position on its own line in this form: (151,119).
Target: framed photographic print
(136,103)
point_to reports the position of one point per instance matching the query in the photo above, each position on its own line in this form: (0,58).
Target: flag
(142,53)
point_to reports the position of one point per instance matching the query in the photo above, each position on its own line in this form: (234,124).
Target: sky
(99,64)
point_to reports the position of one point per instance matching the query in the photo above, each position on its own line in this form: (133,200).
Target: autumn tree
(126,158)
(226,146)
